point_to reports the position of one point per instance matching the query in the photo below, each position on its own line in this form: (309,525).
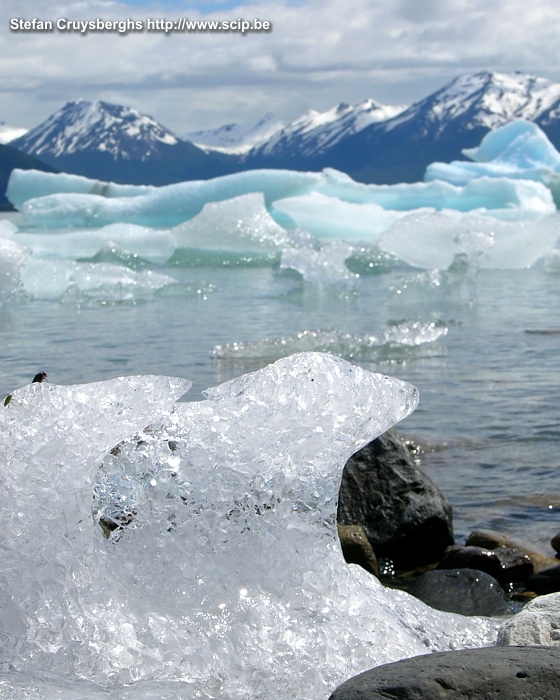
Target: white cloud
(318,53)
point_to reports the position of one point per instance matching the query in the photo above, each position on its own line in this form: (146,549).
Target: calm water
(489,388)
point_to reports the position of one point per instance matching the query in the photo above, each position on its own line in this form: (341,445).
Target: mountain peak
(237,138)
(81,126)
(492,98)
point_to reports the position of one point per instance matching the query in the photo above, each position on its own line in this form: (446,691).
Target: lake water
(489,384)
(89,304)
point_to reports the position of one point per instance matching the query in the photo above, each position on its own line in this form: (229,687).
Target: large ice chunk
(519,150)
(28,184)
(225,578)
(303,193)
(13,257)
(433,241)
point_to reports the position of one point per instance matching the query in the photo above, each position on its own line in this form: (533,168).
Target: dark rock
(463,591)
(545,581)
(506,564)
(512,673)
(356,548)
(405,516)
(555,542)
(495,540)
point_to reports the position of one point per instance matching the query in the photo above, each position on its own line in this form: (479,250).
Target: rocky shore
(395,522)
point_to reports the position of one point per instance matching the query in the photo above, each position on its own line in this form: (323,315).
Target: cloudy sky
(317,54)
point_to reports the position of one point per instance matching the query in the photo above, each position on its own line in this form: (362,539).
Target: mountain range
(369,141)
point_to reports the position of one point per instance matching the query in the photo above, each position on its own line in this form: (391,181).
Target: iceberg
(159,206)
(13,258)
(26,184)
(519,150)
(332,217)
(223,576)
(435,241)
(292,199)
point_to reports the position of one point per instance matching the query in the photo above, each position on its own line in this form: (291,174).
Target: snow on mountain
(96,126)
(237,138)
(111,142)
(315,132)
(440,126)
(369,141)
(485,99)
(9,133)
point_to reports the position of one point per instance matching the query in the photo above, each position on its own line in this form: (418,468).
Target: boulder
(463,591)
(555,542)
(507,565)
(405,516)
(545,581)
(356,548)
(515,673)
(495,540)
(538,623)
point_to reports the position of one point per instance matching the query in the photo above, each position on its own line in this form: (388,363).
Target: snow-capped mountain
(437,128)
(315,132)
(369,141)
(83,126)
(486,100)
(9,133)
(108,141)
(237,138)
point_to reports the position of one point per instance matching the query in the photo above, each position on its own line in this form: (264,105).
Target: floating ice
(153,245)
(432,241)
(336,342)
(172,204)
(161,206)
(322,266)
(98,282)
(27,184)
(227,580)
(13,257)
(517,150)
(330,217)
(241,223)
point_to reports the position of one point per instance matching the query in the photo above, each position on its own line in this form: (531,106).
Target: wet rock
(545,581)
(515,673)
(463,591)
(555,542)
(356,548)
(538,623)
(506,564)
(405,516)
(490,539)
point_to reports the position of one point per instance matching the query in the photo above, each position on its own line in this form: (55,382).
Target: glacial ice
(302,194)
(348,345)
(497,211)
(226,579)
(519,150)
(434,241)
(43,183)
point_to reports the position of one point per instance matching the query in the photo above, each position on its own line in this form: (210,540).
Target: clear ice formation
(347,345)
(435,241)
(519,150)
(226,579)
(507,192)
(290,197)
